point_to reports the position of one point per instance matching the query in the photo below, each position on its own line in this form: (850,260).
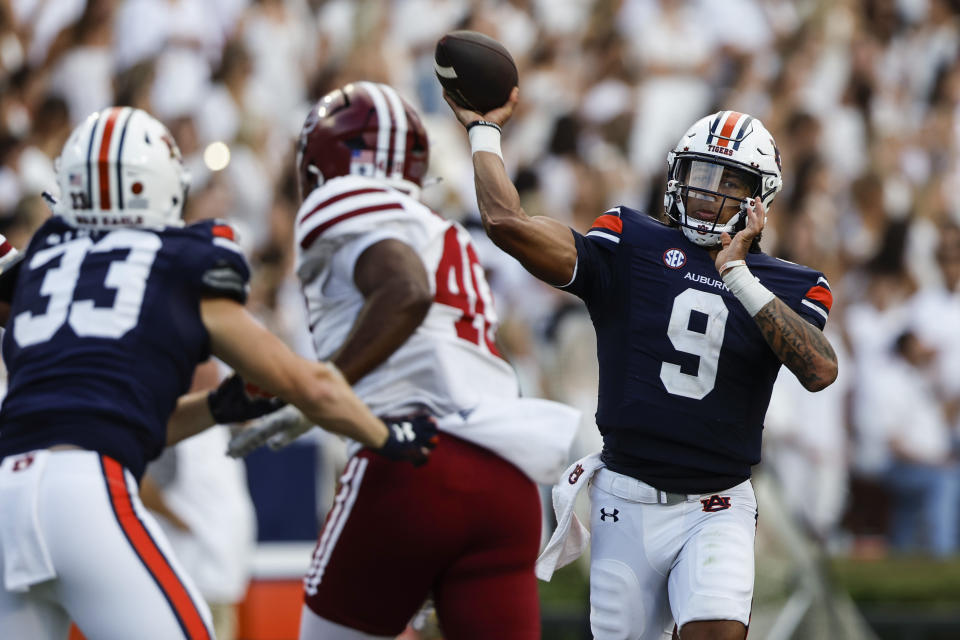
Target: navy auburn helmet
(363,128)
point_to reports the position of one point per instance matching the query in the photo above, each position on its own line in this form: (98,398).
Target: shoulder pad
(223,279)
(608,227)
(339,201)
(222,269)
(219,232)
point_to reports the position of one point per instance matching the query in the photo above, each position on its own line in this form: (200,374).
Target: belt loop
(663,497)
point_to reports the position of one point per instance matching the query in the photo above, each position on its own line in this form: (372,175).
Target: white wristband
(731,264)
(485,138)
(748,290)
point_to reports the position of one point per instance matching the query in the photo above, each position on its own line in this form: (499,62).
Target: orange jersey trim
(821,295)
(609,221)
(223,231)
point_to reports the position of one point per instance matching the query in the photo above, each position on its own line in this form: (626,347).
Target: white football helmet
(121,168)
(725,144)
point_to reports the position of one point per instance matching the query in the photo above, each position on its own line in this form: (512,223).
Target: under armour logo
(715,503)
(604,515)
(404,431)
(575,474)
(23,463)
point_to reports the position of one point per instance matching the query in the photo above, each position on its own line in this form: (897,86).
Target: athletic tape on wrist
(731,264)
(748,290)
(484,136)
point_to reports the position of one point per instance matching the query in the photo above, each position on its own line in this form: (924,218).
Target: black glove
(409,436)
(236,401)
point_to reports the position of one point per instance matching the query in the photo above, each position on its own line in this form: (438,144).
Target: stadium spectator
(921,468)
(935,315)
(805,445)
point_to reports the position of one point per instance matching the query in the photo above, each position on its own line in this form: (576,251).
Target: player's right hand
(500,115)
(737,247)
(410,439)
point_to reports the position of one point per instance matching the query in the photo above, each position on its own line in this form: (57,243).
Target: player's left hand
(737,247)
(236,401)
(276,430)
(410,439)
(500,115)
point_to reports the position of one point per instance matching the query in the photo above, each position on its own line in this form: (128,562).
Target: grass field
(902,598)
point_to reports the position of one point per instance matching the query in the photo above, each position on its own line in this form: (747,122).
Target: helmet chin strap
(316,173)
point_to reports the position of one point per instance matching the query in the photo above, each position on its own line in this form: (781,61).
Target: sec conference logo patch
(674,258)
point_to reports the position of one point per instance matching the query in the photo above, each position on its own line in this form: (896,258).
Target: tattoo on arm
(800,346)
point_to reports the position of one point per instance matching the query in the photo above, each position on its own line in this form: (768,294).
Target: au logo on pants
(715,503)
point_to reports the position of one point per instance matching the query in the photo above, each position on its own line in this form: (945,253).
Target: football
(477,71)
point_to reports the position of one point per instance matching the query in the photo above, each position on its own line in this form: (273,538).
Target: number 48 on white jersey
(451,362)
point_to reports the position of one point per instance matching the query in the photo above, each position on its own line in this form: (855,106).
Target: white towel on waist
(570,538)
(532,434)
(26,560)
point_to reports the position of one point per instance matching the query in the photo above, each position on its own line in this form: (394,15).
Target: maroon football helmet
(363,128)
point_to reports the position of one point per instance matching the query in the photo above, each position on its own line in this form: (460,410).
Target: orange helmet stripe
(103,164)
(724,135)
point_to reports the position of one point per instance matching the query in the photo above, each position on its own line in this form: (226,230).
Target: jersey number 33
(126,274)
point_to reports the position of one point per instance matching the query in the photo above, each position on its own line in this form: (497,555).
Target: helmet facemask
(705,193)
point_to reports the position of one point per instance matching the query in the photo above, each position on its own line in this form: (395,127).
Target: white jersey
(450,363)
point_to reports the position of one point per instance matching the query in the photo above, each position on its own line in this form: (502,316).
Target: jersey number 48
(462,285)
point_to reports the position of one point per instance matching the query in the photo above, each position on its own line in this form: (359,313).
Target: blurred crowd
(862,96)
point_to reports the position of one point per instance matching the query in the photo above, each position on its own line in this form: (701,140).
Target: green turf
(902,579)
(567,591)
(905,579)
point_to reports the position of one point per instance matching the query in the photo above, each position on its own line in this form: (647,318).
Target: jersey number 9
(704,344)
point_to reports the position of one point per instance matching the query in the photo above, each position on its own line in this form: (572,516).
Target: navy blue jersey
(685,374)
(105,332)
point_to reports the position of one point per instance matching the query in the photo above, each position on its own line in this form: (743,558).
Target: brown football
(476,70)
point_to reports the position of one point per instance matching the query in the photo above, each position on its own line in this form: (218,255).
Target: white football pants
(659,559)
(77,544)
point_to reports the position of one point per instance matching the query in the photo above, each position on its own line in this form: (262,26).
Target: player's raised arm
(545,247)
